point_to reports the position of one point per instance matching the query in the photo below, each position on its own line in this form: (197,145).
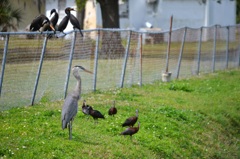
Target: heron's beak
(72,9)
(88,71)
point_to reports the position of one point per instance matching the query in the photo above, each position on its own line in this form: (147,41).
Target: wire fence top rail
(113,29)
(36,67)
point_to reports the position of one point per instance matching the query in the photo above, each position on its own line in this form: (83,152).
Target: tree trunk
(110,13)
(81,16)
(111,41)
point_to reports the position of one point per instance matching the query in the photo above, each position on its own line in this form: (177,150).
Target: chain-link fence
(37,66)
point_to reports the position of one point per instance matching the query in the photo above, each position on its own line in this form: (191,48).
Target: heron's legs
(70,129)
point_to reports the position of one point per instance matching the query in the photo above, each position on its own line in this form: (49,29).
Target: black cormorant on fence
(74,21)
(63,24)
(54,19)
(39,22)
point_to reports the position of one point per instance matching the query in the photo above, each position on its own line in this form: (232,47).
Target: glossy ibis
(131,121)
(113,110)
(131,130)
(85,108)
(95,114)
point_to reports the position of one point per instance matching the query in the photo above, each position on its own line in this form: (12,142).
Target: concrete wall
(185,12)
(223,14)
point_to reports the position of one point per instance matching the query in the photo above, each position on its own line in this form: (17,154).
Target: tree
(111,41)
(9,17)
(238,12)
(110,13)
(81,11)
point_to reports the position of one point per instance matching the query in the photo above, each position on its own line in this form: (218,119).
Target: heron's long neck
(78,86)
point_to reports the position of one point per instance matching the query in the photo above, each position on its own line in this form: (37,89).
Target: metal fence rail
(36,67)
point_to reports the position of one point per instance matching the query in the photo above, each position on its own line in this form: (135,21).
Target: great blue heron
(70,106)
(39,22)
(54,19)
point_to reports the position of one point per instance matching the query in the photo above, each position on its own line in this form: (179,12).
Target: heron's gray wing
(69,110)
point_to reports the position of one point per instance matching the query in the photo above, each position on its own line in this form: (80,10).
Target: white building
(135,13)
(190,13)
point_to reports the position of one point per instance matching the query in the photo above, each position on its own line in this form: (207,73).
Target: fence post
(227,47)
(39,69)
(4,62)
(70,63)
(125,59)
(199,50)
(238,50)
(169,44)
(181,52)
(96,61)
(140,43)
(214,48)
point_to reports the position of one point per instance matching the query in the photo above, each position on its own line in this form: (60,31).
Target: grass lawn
(191,118)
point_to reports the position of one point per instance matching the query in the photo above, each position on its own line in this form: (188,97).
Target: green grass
(191,118)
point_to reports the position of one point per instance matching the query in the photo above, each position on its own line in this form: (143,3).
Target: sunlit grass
(190,118)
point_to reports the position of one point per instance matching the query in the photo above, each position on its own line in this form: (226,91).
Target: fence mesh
(117,57)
